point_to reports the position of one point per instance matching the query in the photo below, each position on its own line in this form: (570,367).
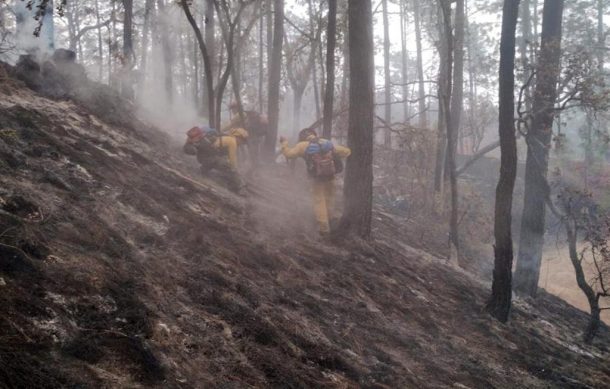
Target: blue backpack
(321,159)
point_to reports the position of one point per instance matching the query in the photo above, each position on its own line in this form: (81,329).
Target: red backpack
(320,159)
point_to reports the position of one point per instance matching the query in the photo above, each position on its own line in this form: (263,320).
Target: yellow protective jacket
(323,192)
(240,134)
(229,145)
(226,144)
(235,122)
(298,150)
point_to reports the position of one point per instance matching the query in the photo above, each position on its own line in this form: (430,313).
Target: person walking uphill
(323,160)
(251,130)
(215,152)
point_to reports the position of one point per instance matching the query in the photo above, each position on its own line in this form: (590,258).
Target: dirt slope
(121,267)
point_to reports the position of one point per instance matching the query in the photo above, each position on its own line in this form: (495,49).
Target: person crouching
(215,152)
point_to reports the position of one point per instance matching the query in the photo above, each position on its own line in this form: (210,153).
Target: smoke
(34,35)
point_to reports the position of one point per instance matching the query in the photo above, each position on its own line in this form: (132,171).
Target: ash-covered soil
(121,267)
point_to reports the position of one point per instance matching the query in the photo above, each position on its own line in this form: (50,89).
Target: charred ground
(122,267)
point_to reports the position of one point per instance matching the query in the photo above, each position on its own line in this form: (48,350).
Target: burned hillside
(120,266)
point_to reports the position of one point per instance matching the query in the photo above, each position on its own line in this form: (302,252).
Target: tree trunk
(601,35)
(501,293)
(298,77)
(261,61)
(592,298)
(386,74)
(535,25)
(594,323)
(358,187)
(78,29)
(404,61)
(538,140)
(195,72)
(526,39)
(110,40)
(72,29)
(444,95)
(206,63)
(472,92)
(167,52)
(210,43)
(454,120)
(314,47)
(114,47)
(270,36)
(344,96)
(126,79)
(148,6)
(423,115)
(184,73)
(329,93)
(100,45)
(232,38)
(316,88)
(275,74)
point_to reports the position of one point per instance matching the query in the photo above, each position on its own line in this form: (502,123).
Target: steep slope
(121,267)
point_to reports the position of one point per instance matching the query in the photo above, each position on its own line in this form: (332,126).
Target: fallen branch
(475,157)
(84,31)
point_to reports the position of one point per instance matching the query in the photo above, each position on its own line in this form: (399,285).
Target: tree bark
(167,52)
(210,43)
(148,6)
(444,95)
(111,44)
(329,93)
(592,297)
(454,120)
(423,115)
(72,29)
(231,69)
(100,45)
(126,79)
(275,74)
(298,78)
(386,74)
(314,47)
(472,87)
(601,35)
(404,61)
(195,72)
(261,61)
(524,42)
(358,187)
(206,63)
(184,72)
(269,37)
(538,140)
(501,293)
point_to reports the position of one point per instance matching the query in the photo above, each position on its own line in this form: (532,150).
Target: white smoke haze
(176,114)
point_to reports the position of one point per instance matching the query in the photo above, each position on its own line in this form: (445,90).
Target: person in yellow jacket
(215,152)
(249,130)
(317,153)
